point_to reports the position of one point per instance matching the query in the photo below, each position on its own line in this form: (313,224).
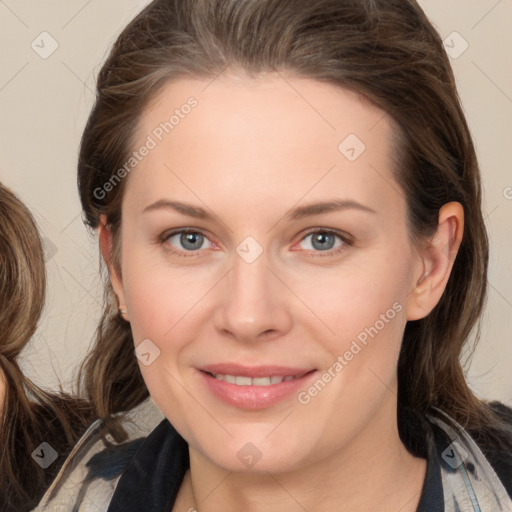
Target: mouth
(254,387)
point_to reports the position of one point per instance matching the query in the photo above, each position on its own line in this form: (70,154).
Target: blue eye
(187,240)
(323,241)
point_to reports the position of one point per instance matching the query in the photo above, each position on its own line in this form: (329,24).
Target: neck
(374,472)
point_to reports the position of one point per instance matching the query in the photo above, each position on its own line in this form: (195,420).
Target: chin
(241,455)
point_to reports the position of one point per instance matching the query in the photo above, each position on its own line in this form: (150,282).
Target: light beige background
(44,105)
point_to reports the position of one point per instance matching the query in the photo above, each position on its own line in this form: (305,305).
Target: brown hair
(29,415)
(385,49)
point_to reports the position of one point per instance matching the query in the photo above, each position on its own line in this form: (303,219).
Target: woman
(289,205)
(38,428)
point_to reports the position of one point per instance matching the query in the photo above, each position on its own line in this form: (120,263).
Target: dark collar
(152,479)
(432,498)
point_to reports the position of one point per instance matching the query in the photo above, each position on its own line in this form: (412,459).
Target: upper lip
(254,371)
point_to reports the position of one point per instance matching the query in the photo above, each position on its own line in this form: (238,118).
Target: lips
(255,387)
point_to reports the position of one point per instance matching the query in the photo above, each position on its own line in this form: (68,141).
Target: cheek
(159,296)
(163,305)
(368,318)
(359,299)
(363,314)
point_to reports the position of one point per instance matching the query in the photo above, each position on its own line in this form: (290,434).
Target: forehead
(270,134)
(299,109)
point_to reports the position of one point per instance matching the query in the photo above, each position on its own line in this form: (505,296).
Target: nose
(254,304)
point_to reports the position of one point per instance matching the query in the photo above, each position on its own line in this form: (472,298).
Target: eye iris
(323,241)
(191,240)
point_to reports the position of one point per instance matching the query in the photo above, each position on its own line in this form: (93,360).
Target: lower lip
(254,397)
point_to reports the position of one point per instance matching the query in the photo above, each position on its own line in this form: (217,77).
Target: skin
(253,149)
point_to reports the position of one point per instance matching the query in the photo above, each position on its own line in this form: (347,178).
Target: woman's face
(264,236)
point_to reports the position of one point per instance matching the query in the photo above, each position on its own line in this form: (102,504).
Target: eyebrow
(183,208)
(294,214)
(326,207)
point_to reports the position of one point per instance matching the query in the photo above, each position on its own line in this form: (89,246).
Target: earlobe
(437,259)
(106,248)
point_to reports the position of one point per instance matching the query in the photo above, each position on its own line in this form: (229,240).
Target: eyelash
(347,241)
(185,254)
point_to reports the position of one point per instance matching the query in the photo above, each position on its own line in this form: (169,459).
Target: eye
(187,241)
(324,241)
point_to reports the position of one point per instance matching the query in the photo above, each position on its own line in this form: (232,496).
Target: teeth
(257,381)
(243,381)
(263,381)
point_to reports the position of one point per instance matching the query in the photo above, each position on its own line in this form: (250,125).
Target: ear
(436,262)
(106,248)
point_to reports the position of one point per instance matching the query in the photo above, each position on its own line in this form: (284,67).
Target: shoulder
(88,478)
(476,464)
(499,452)
(493,443)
